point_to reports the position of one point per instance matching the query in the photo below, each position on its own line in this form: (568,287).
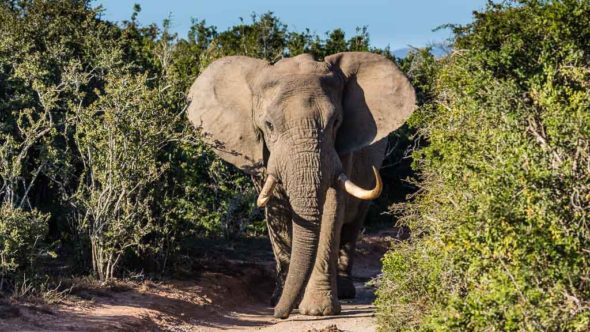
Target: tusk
(266,191)
(359,192)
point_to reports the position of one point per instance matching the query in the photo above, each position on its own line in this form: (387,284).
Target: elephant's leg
(348,238)
(278,220)
(321,295)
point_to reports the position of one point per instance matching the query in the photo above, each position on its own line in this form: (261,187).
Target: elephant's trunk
(306,187)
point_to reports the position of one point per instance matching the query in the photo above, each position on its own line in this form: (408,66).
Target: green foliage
(21,241)
(268,38)
(499,230)
(93,133)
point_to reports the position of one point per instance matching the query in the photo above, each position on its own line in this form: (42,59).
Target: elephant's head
(293,121)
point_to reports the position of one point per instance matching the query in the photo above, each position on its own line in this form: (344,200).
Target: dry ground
(228,296)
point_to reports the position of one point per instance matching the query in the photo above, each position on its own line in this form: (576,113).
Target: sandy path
(232,297)
(357,315)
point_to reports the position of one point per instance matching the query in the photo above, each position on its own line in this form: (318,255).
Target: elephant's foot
(346,288)
(319,303)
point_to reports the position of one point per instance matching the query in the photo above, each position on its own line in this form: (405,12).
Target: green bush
(500,234)
(92,130)
(22,235)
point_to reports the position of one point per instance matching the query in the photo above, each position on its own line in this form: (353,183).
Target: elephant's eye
(269,125)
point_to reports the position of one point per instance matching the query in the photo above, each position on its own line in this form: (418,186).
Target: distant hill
(438,51)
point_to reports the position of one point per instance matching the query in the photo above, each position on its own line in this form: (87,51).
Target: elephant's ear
(377,99)
(221,107)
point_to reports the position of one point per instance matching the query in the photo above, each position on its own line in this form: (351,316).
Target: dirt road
(233,297)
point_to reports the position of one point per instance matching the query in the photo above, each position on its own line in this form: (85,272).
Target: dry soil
(229,296)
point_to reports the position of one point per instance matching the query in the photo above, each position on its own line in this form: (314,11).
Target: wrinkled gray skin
(305,122)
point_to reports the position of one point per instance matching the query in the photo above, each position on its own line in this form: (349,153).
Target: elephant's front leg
(278,221)
(321,294)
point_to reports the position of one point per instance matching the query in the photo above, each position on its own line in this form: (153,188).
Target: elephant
(314,133)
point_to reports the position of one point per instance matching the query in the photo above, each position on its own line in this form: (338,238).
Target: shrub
(499,230)
(22,234)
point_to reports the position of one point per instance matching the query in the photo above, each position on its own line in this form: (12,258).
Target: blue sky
(398,23)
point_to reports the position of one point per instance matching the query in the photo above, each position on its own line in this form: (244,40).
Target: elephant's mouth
(343,182)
